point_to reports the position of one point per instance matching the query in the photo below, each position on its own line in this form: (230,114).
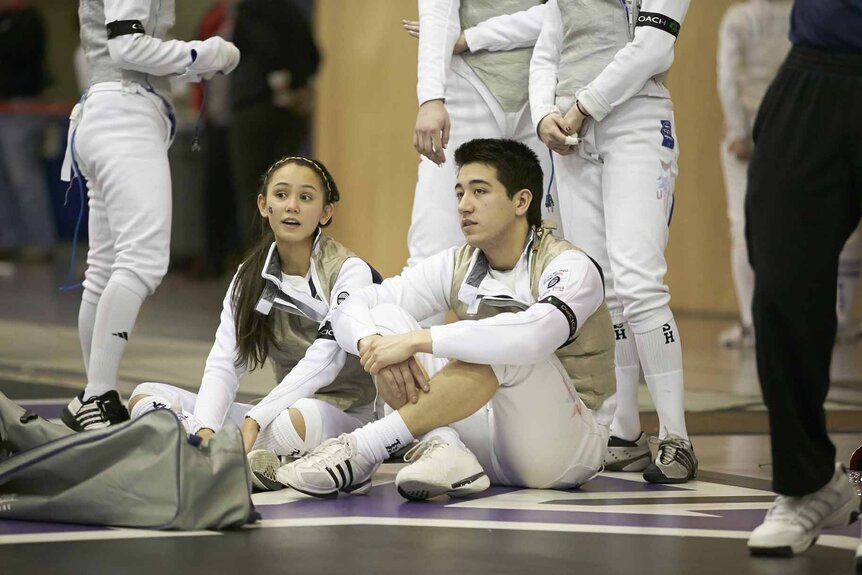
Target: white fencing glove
(211,56)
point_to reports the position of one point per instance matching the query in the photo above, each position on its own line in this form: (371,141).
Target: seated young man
(522,378)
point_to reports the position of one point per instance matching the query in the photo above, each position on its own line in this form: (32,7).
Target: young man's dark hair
(517,168)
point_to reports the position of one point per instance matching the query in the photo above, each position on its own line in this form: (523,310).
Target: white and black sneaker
(97,412)
(264,464)
(793,524)
(624,455)
(334,465)
(439,468)
(674,462)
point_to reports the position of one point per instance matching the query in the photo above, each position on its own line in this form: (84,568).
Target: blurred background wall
(363,128)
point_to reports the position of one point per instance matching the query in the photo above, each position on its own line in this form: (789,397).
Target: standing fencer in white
(752,43)
(118,140)
(597,75)
(480,92)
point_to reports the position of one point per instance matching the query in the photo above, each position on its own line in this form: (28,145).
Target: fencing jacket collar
(479,287)
(280,295)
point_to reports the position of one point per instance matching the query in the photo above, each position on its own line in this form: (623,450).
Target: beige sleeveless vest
(505,73)
(294,334)
(589,358)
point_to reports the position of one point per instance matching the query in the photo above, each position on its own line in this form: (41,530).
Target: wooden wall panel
(364,123)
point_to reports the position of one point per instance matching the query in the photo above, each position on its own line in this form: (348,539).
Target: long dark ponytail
(253,329)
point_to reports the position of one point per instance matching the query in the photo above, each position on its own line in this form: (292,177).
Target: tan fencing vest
(505,73)
(294,334)
(589,358)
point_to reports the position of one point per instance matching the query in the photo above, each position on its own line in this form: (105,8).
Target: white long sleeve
(544,64)
(323,360)
(526,337)
(729,59)
(141,52)
(440,26)
(507,338)
(221,374)
(650,53)
(422,290)
(507,31)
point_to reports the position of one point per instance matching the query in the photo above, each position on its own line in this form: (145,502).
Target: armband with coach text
(660,21)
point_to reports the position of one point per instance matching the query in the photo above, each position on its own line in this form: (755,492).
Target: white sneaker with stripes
(334,465)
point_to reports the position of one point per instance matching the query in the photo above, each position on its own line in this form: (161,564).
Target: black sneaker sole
(269,484)
(658,477)
(330,495)
(785,551)
(770,551)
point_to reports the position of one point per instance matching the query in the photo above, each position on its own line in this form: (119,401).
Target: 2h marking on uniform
(620,331)
(668,333)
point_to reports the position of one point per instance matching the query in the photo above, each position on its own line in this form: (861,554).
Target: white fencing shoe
(437,468)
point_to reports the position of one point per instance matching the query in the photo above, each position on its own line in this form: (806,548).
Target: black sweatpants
(804,200)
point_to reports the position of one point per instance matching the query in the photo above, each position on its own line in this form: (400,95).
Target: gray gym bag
(145,473)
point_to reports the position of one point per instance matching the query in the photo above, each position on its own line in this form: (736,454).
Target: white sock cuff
(447,434)
(150,403)
(657,319)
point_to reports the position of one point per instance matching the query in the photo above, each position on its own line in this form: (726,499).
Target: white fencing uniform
(752,43)
(536,431)
(118,140)
(326,385)
(475,107)
(616,192)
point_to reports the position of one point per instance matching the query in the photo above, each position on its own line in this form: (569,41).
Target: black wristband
(124,28)
(581,109)
(567,313)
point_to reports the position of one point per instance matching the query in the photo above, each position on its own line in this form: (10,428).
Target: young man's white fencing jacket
(555,306)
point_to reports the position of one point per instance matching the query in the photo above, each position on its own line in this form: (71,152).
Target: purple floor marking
(47,411)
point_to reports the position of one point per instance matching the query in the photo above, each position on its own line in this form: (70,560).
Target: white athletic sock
(447,434)
(153,402)
(281,437)
(661,357)
(743,281)
(115,318)
(626,424)
(150,403)
(380,439)
(86,321)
